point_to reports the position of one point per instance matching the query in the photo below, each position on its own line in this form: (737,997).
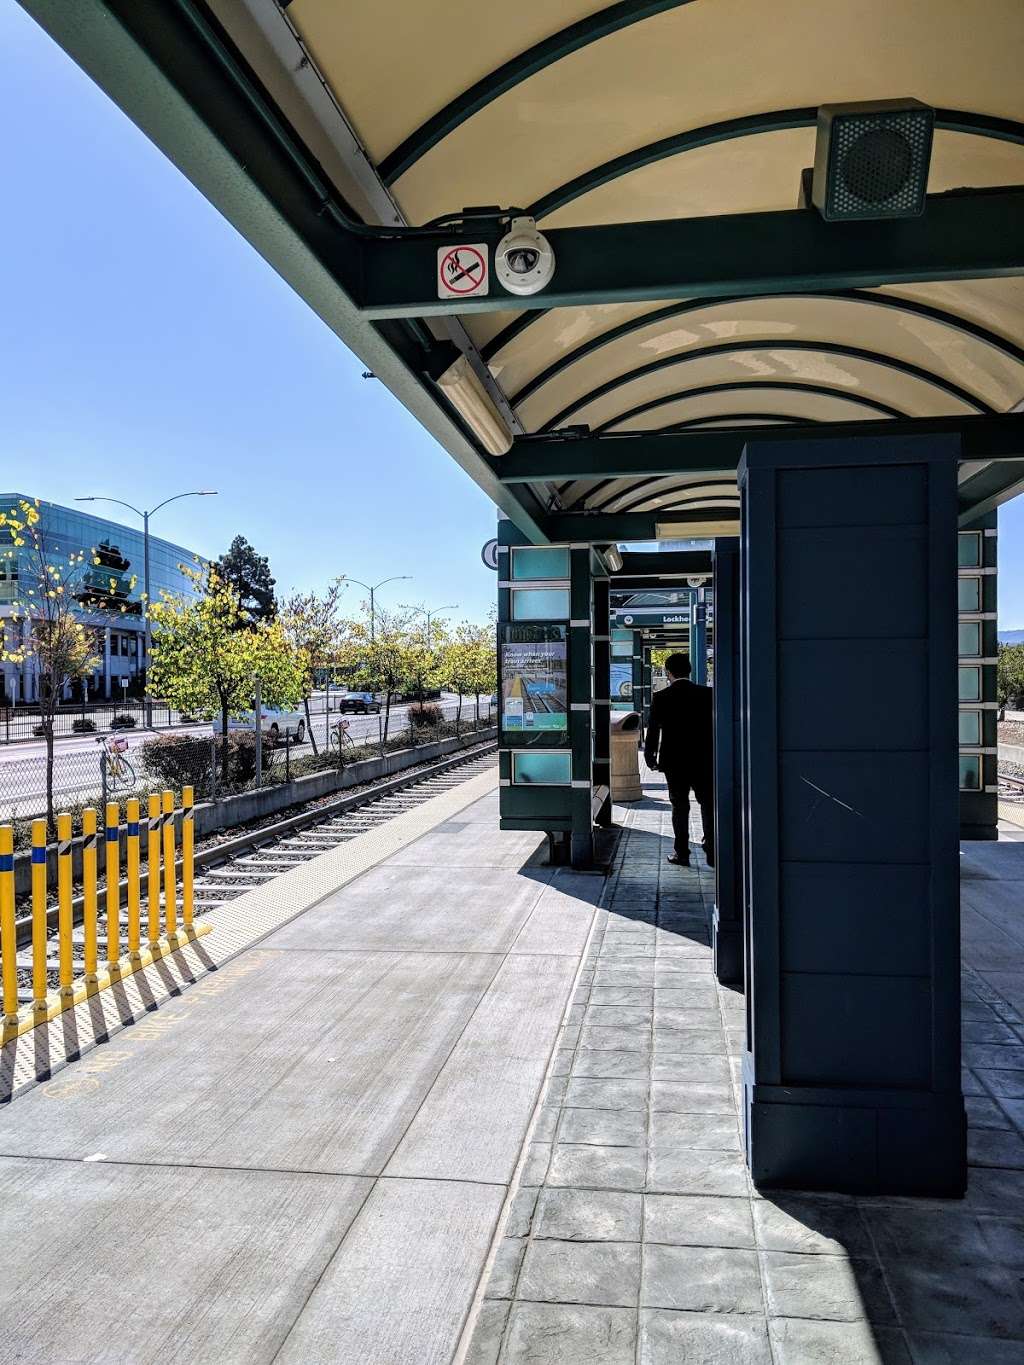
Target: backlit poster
(534,694)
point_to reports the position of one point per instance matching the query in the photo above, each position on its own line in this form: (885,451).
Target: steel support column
(728,917)
(852,1074)
(581,692)
(602,712)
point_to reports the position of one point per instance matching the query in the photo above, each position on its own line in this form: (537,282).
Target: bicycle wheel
(122,777)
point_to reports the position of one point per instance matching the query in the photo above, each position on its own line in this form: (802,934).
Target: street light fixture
(371,590)
(198,493)
(452,606)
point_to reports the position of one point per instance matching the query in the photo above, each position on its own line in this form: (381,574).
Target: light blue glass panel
(969,594)
(540,604)
(970,772)
(970,727)
(542,767)
(969,638)
(541,561)
(968,549)
(622,649)
(970,684)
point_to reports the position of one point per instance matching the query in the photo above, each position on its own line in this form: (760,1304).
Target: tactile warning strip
(236,926)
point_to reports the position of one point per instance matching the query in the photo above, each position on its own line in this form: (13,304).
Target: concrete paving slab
(148,1264)
(399,1287)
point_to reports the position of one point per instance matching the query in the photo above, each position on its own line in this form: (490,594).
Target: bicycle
(120,773)
(339,735)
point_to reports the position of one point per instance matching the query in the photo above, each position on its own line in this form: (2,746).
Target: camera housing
(524,260)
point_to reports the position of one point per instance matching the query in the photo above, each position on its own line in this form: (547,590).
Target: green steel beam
(520,68)
(533,458)
(779,120)
(591,527)
(986,490)
(970,235)
(678,361)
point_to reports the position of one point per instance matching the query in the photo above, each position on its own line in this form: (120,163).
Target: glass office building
(109,593)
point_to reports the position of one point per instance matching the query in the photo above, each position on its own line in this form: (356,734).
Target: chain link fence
(123,764)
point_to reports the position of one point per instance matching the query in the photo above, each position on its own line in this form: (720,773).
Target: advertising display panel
(621,680)
(534,690)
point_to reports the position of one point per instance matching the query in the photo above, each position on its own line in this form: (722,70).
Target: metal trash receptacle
(625,757)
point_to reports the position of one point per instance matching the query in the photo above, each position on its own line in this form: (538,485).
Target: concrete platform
(636,1235)
(461,1109)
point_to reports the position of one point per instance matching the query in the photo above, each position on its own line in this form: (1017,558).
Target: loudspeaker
(871,159)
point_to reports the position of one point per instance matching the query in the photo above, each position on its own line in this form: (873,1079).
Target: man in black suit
(680,742)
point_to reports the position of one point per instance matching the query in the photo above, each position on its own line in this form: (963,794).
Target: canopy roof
(645,111)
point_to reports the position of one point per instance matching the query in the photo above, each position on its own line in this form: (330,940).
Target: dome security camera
(524,261)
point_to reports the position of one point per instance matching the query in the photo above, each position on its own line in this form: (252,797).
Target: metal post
(259,737)
(147,643)
(372,637)
(287,757)
(39,919)
(8,932)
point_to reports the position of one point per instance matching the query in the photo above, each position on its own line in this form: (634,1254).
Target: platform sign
(463,272)
(534,691)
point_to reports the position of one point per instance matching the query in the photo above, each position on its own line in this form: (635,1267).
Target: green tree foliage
(1010,676)
(204,661)
(248,573)
(469,664)
(314,629)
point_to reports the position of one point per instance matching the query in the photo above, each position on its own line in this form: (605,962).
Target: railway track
(226,870)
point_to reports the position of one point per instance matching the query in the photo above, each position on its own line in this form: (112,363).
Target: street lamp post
(372,590)
(198,493)
(452,606)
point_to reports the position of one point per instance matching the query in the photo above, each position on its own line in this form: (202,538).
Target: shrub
(177,761)
(123,721)
(424,714)
(83,725)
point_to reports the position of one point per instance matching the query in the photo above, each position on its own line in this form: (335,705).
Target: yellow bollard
(112,868)
(8,934)
(187,854)
(89,892)
(170,888)
(134,898)
(153,869)
(39,917)
(64,917)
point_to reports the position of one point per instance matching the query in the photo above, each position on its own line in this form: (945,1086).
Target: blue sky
(145,348)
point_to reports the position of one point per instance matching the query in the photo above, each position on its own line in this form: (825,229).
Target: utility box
(625,756)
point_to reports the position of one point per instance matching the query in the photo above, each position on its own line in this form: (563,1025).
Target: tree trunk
(224,755)
(309,724)
(458,715)
(387,716)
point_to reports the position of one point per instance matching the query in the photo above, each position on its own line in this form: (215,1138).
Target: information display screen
(534,692)
(621,680)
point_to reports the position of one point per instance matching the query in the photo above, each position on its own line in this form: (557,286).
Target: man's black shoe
(677,861)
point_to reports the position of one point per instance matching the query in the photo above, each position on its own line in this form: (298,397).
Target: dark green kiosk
(726,304)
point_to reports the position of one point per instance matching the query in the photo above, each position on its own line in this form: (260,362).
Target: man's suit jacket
(680,735)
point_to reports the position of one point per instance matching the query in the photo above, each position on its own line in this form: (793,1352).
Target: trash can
(625,756)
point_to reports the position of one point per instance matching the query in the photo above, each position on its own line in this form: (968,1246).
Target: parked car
(275,724)
(361,703)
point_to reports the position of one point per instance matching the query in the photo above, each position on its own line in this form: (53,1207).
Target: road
(77,758)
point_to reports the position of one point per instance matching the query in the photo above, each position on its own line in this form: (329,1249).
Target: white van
(275,724)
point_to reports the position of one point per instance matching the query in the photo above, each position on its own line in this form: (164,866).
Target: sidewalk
(311,1165)
(636,1234)
(331,1149)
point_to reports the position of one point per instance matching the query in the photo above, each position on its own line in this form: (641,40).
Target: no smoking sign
(462,271)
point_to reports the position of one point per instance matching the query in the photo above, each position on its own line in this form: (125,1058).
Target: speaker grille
(872,160)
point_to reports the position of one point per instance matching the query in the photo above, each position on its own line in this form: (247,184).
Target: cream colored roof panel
(859,378)
(733,405)
(715,60)
(397,62)
(761,173)
(979,368)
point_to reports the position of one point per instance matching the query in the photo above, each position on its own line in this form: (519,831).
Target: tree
(315,631)
(1010,675)
(205,661)
(380,664)
(469,663)
(248,573)
(49,582)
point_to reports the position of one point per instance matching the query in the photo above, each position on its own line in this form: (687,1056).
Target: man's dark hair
(678,665)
